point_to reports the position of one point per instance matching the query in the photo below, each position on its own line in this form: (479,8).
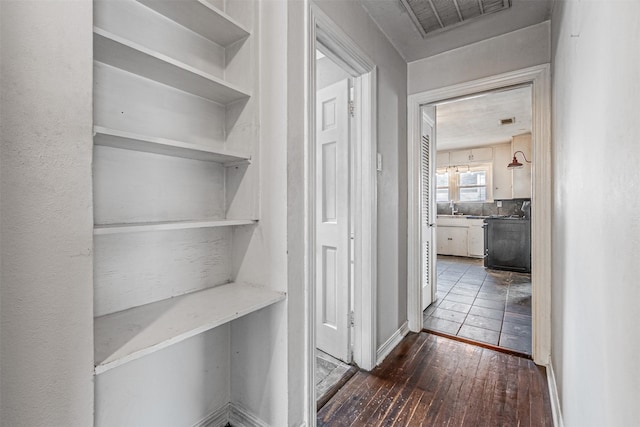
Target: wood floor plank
(434,381)
(348,412)
(398,398)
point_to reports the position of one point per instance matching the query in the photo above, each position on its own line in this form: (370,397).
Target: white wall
(509,52)
(176,386)
(596,222)
(46,226)
(392,181)
(328,73)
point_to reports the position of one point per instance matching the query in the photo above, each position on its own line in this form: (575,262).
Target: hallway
(434,381)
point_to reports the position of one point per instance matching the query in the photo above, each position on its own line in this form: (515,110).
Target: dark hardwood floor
(430,380)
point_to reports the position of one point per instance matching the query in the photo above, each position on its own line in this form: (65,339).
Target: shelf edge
(275,297)
(170,144)
(172,62)
(121,228)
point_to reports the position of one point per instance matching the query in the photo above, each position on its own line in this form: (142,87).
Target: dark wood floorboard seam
(433,380)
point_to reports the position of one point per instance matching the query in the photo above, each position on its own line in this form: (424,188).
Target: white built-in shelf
(134,58)
(150,144)
(131,334)
(201,17)
(167,225)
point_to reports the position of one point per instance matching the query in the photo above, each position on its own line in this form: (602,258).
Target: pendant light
(515,163)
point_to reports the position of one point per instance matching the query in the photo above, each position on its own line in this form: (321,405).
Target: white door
(332,220)
(427,203)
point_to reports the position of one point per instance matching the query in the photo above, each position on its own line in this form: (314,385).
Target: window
(442,186)
(464,184)
(472,186)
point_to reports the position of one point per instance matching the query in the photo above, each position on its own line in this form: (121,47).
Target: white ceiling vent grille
(433,16)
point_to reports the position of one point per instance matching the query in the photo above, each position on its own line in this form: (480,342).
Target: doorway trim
(539,78)
(337,45)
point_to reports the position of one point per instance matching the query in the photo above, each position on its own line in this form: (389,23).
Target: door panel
(332,216)
(427,214)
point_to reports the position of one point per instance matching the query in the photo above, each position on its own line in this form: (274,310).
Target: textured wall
(595,292)
(509,52)
(46,222)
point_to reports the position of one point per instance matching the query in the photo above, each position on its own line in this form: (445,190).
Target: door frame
(539,79)
(341,49)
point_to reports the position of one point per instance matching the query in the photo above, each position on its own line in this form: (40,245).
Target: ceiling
(475,121)
(396,22)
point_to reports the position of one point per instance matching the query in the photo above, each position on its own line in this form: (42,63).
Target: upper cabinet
(502,180)
(522,176)
(442,159)
(474,155)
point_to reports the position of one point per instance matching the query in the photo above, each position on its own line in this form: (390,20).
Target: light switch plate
(379,166)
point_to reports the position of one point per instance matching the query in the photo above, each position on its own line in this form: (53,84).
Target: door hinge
(352,108)
(352,319)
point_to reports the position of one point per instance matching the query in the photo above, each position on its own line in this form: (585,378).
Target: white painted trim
(392,342)
(234,414)
(239,416)
(218,418)
(339,47)
(366,229)
(556,409)
(539,78)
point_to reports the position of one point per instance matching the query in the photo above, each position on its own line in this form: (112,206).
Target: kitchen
(483,235)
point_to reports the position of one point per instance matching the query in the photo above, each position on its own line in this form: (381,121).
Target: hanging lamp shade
(515,163)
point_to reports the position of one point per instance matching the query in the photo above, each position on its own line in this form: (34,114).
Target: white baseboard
(233,414)
(218,418)
(556,411)
(240,416)
(391,343)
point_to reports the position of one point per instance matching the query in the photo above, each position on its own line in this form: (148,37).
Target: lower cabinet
(475,238)
(461,237)
(452,241)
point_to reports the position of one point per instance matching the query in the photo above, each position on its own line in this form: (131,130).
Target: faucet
(453,208)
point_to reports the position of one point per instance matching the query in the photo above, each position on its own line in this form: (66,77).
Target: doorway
(334,254)
(538,79)
(481,290)
(341,186)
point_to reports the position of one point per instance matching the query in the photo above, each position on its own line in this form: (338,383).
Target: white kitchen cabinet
(460,236)
(460,157)
(442,159)
(452,241)
(474,155)
(475,240)
(502,175)
(482,154)
(522,176)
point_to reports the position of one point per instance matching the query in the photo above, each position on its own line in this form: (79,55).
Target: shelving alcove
(176,200)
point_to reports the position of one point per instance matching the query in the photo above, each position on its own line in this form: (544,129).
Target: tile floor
(479,304)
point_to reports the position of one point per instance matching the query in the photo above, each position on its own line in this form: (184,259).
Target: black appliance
(507,244)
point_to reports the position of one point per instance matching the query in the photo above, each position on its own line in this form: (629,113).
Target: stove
(507,243)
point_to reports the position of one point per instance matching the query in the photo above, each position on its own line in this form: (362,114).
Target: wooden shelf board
(103,229)
(149,144)
(134,58)
(201,17)
(131,334)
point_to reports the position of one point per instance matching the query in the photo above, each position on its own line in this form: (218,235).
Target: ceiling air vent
(433,16)
(509,121)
